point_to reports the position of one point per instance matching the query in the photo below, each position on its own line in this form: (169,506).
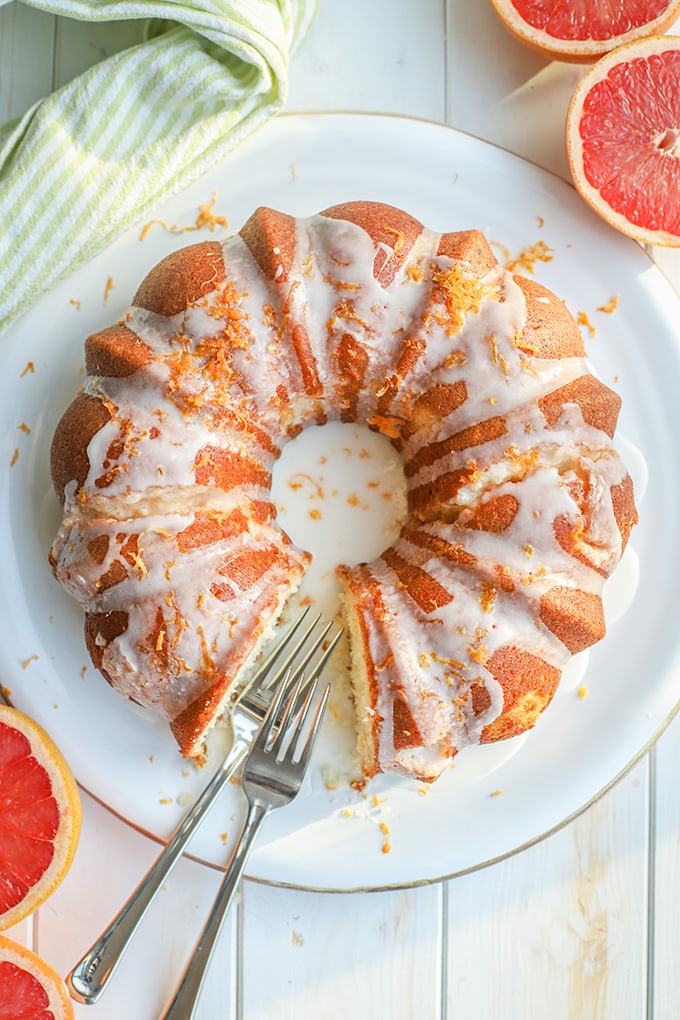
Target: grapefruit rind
(15,955)
(575,143)
(65,791)
(578,50)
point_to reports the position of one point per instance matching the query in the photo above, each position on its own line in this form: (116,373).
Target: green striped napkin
(102,151)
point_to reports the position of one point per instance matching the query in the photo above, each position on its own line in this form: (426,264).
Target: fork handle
(185,999)
(87,980)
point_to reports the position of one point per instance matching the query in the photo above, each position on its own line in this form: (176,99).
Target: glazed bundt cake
(519,506)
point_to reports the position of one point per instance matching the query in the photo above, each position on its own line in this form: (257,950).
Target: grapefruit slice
(30,989)
(623,139)
(583,30)
(40,816)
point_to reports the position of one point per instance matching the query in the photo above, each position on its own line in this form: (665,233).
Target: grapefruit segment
(623,139)
(583,30)
(40,816)
(30,989)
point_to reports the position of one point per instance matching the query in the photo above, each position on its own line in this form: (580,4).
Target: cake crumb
(224,837)
(166,800)
(15,457)
(297,939)
(108,288)
(387,844)
(497,793)
(315,514)
(24,428)
(27,662)
(582,692)
(30,367)
(76,303)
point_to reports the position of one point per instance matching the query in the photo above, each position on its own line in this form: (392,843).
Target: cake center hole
(340,493)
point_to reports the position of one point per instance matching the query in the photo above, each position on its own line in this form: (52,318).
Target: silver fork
(89,977)
(272,777)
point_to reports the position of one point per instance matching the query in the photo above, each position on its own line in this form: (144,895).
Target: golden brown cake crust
(116,352)
(69,460)
(181,279)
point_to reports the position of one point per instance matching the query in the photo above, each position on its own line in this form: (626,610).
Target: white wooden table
(581,926)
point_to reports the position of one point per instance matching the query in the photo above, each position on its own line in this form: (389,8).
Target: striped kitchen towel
(100,152)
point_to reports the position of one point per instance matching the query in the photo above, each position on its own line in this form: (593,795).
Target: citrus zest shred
(462,293)
(205,218)
(583,320)
(390,427)
(399,238)
(529,256)
(147,227)
(611,305)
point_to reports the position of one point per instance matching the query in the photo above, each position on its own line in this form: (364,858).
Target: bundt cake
(519,506)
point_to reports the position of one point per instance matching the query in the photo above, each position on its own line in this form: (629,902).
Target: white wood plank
(558,931)
(502,91)
(26,45)
(21,932)
(110,861)
(355,955)
(668,261)
(391,62)
(666,875)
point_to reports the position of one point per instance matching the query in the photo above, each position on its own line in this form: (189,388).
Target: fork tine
(320,663)
(271,719)
(287,720)
(302,755)
(275,677)
(280,646)
(325,656)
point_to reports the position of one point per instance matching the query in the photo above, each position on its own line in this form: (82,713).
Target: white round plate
(494,800)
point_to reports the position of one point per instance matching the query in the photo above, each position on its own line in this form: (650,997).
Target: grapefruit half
(40,816)
(583,30)
(30,989)
(623,139)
